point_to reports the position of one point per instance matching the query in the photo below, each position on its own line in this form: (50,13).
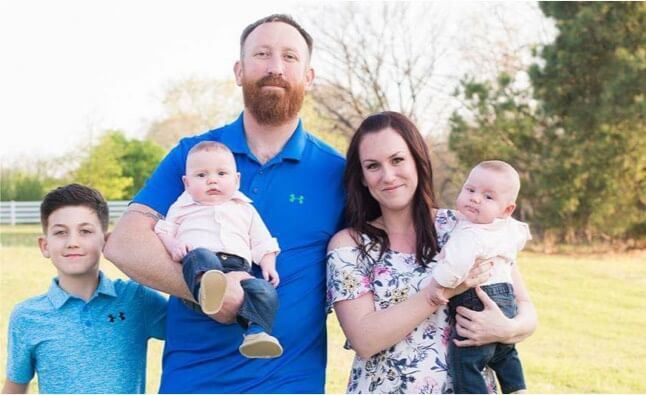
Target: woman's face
(388,169)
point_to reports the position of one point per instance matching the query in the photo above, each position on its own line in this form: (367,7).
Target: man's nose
(275,65)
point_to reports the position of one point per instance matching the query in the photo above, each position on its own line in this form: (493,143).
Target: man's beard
(270,107)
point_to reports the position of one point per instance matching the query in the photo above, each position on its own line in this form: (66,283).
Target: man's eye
(59,233)
(86,231)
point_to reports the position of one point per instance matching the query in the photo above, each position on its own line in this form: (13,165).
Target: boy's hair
(506,169)
(209,146)
(74,195)
(284,18)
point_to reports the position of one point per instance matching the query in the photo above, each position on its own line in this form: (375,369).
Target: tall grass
(590,339)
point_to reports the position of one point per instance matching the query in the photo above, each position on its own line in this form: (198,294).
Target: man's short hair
(277,18)
(74,195)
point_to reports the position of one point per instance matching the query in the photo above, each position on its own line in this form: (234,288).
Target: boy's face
(73,241)
(485,196)
(211,176)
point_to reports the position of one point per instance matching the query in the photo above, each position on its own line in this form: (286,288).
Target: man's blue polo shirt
(78,347)
(299,195)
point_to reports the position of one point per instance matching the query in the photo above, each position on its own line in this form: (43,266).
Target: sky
(71,69)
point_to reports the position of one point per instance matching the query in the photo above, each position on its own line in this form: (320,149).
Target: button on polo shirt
(78,347)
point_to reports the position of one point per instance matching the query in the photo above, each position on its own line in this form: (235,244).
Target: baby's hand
(436,293)
(179,250)
(271,275)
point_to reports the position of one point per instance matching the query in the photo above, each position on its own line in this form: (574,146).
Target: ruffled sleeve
(348,276)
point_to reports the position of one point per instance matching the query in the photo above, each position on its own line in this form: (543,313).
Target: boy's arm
(262,243)
(176,248)
(155,306)
(14,388)
(268,266)
(436,293)
(458,257)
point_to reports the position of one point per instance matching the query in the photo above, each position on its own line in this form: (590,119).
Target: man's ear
(237,72)
(42,244)
(309,78)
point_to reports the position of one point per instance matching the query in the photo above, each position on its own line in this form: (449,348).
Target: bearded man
(295,182)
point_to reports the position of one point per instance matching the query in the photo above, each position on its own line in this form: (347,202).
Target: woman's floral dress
(417,364)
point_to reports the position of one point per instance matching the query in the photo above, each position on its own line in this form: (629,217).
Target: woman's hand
(483,327)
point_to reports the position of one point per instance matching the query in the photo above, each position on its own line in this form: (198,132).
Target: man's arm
(136,250)
(14,388)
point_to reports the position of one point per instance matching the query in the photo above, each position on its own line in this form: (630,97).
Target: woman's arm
(370,331)
(491,325)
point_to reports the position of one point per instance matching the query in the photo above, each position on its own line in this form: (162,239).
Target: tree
(192,106)
(375,65)
(575,133)
(593,82)
(116,166)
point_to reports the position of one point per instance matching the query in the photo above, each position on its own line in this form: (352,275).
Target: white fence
(12,213)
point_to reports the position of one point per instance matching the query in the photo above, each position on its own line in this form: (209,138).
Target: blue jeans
(260,298)
(466,363)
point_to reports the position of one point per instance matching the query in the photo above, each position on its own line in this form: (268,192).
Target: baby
(212,228)
(485,230)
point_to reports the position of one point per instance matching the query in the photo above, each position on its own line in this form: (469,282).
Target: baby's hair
(505,169)
(209,146)
(74,195)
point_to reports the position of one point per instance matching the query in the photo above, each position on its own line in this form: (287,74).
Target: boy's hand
(268,266)
(179,250)
(436,293)
(271,276)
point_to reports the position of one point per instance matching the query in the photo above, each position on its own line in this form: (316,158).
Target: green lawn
(591,336)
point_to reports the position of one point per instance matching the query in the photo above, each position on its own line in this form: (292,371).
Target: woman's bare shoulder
(342,238)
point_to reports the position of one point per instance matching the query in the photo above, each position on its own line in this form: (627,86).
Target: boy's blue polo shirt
(299,195)
(78,347)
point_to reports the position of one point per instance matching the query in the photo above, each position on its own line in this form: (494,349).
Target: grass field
(591,336)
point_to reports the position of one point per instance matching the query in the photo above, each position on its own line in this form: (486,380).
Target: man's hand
(233,297)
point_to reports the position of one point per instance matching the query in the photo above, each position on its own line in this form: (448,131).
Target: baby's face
(485,196)
(211,176)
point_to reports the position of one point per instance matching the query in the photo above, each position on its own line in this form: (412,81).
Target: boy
(212,228)
(485,230)
(87,334)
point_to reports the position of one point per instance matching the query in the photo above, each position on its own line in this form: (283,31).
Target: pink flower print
(365,281)
(446,335)
(381,269)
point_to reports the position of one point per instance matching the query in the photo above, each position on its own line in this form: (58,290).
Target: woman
(379,266)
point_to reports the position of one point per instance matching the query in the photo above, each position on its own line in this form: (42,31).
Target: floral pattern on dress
(417,364)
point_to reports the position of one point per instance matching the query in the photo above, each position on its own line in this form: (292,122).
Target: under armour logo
(121,316)
(293,198)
